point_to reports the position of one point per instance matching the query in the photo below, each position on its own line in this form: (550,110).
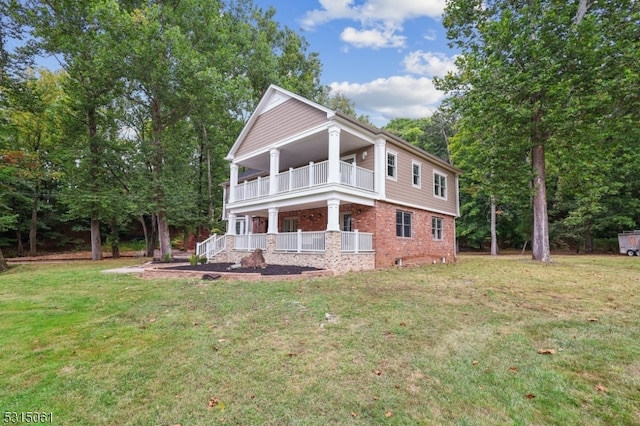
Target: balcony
(309,176)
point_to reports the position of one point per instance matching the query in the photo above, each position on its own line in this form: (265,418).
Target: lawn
(447,344)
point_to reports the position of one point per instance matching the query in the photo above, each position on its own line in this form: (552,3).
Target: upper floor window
(415,174)
(392,165)
(403,224)
(439,185)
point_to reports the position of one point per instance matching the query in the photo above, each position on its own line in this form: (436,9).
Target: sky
(381,54)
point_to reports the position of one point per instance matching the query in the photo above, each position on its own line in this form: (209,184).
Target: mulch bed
(224,267)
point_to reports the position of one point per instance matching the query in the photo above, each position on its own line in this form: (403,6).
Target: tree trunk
(164,237)
(94,170)
(540,241)
(3,262)
(20,247)
(96,240)
(494,237)
(33,226)
(115,243)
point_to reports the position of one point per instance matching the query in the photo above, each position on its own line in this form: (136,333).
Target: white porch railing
(313,174)
(300,241)
(211,246)
(250,242)
(356,176)
(356,242)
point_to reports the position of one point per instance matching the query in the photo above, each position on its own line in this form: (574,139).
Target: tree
(36,107)
(86,35)
(533,73)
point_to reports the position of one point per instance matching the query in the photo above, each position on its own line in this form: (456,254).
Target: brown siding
(367,163)
(287,119)
(402,189)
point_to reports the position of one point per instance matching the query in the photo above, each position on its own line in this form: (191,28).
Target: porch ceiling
(314,148)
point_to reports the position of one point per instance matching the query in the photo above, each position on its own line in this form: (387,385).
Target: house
(314,187)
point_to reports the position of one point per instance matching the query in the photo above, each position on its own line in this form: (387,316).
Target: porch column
(233,182)
(333,214)
(380,167)
(274,169)
(231,224)
(334,155)
(273,221)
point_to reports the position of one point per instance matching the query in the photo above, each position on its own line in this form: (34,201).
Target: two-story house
(314,187)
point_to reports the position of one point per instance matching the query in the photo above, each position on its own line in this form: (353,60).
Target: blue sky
(382,54)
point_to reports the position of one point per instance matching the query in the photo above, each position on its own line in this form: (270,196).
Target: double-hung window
(439,185)
(392,165)
(436,228)
(403,224)
(415,174)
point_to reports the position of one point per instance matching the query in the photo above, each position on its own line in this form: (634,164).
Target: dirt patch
(225,267)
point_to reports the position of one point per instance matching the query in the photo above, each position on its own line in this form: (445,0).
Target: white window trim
(386,165)
(419,184)
(441,220)
(446,185)
(294,219)
(410,214)
(347,157)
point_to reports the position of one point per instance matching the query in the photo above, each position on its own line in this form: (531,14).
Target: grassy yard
(446,344)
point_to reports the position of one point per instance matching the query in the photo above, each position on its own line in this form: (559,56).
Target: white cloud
(380,20)
(432,64)
(386,98)
(374,38)
(430,35)
(390,11)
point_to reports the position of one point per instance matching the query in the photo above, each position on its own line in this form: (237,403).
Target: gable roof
(273,97)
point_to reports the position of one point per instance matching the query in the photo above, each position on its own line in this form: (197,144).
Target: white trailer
(629,242)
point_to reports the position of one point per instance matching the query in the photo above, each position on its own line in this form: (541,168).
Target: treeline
(547,107)
(134,124)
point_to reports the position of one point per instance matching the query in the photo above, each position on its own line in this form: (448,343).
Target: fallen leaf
(195,323)
(513,369)
(378,372)
(354,414)
(403,324)
(530,396)
(212,326)
(593,319)
(475,363)
(152,320)
(601,388)
(388,414)
(213,401)
(396,386)
(291,354)
(546,351)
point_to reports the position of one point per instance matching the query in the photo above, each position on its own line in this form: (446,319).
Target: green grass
(446,344)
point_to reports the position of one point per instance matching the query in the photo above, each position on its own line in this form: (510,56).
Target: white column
(233,181)
(333,214)
(231,224)
(334,155)
(274,169)
(380,167)
(273,221)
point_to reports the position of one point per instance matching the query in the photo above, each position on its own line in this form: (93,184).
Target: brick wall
(420,248)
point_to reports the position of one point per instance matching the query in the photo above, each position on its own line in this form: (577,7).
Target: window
(439,185)
(403,224)
(416,172)
(392,165)
(290,224)
(346,222)
(436,228)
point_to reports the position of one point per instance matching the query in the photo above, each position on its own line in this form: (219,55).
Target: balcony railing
(309,176)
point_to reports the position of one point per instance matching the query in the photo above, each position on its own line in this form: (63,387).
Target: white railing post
(311,174)
(290,178)
(356,241)
(299,241)
(244,190)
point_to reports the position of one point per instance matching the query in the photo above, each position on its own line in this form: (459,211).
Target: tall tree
(85,36)
(531,71)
